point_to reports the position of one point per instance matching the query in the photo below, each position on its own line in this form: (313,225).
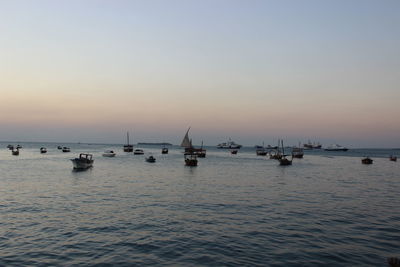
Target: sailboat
(128,147)
(261,151)
(284,161)
(190,155)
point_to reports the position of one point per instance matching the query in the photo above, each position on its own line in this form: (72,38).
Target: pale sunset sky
(88,71)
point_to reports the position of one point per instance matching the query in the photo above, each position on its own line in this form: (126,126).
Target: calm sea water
(232,210)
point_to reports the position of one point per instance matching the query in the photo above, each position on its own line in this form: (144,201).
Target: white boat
(43,150)
(138,152)
(84,161)
(128,147)
(336,147)
(229,145)
(109,153)
(66,149)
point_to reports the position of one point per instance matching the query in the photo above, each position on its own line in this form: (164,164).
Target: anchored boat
(84,161)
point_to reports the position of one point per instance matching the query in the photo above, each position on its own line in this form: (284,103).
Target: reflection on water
(325,209)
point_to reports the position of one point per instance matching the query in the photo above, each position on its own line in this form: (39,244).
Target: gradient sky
(252,70)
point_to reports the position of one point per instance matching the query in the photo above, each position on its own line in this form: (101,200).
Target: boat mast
(127,137)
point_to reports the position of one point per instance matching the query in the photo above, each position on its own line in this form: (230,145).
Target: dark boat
(15,152)
(43,150)
(261,151)
(66,149)
(10,147)
(276,153)
(59,147)
(393,158)
(84,161)
(366,160)
(190,152)
(128,147)
(297,152)
(164,150)
(234,151)
(151,159)
(283,161)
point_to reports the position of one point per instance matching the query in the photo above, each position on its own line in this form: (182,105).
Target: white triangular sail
(186,142)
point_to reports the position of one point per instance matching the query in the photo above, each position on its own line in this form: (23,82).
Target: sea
(326,209)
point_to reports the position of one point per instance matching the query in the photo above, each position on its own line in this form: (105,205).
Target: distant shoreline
(155,144)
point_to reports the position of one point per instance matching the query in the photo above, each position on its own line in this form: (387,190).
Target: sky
(254,71)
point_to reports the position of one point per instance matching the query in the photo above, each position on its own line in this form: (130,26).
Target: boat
(275,153)
(261,151)
(393,158)
(59,147)
(310,145)
(151,159)
(284,161)
(229,145)
(234,151)
(336,147)
(84,161)
(66,149)
(19,146)
(366,160)
(128,147)
(10,147)
(43,150)
(109,153)
(138,151)
(164,150)
(297,152)
(15,152)
(200,152)
(190,153)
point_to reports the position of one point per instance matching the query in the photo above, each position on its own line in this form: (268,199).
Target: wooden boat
(109,153)
(297,152)
(366,160)
(66,149)
(276,153)
(15,152)
(190,153)
(128,147)
(283,161)
(393,158)
(84,161)
(234,151)
(151,159)
(261,151)
(43,150)
(138,152)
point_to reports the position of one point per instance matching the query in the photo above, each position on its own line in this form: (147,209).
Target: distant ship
(314,145)
(229,145)
(336,147)
(128,147)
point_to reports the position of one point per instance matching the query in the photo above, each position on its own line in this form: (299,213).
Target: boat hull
(81,165)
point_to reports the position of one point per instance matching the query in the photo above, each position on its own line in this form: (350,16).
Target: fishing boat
(366,160)
(66,149)
(284,161)
(128,147)
(109,153)
(200,152)
(234,151)
(336,147)
(297,152)
(275,153)
(261,151)
(15,152)
(84,161)
(189,154)
(59,147)
(151,159)
(229,145)
(43,150)
(393,158)
(138,151)
(10,147)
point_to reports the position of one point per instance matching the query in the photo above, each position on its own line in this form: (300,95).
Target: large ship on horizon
(229,145)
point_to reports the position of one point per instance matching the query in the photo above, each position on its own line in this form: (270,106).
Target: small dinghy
(393,158)
(366,160)
(59,147)
(164,150)
(151,159)
(84,161)
(109,153)
(234,151)
(66,149)
(43,150)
